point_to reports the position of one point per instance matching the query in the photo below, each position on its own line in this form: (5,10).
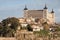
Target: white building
(37,27)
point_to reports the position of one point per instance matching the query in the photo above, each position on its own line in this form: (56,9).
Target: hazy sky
(14,8)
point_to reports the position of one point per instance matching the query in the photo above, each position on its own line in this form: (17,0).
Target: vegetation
(8,27)
(42,32)
(1,28)
(29,28)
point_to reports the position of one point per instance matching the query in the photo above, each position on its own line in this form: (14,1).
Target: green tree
(14,22)
(42,33)
(7,32)
(29,28)
(1,28)
(10,25)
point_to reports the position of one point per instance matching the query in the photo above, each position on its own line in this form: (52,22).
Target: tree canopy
(29,28)
(9,26)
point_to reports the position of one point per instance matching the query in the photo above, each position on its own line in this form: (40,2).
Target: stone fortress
(40,14)
(36,17)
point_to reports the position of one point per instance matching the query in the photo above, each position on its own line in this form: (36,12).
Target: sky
(14,8)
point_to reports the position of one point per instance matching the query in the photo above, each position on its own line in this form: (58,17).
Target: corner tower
(53,16)
(25,11)
(45,12)
(52,12)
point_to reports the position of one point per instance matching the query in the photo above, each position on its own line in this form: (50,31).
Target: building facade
(49,17)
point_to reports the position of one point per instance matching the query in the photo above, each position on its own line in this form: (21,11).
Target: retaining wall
(7,38)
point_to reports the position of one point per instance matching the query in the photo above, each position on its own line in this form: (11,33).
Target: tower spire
(52,11)
(45,7)
(25,8)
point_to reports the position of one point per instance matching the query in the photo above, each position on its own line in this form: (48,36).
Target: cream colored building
(40,14)
(37,27)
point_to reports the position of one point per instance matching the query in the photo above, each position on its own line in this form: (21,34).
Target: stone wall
(7,38)
(28,38)
(27,35)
